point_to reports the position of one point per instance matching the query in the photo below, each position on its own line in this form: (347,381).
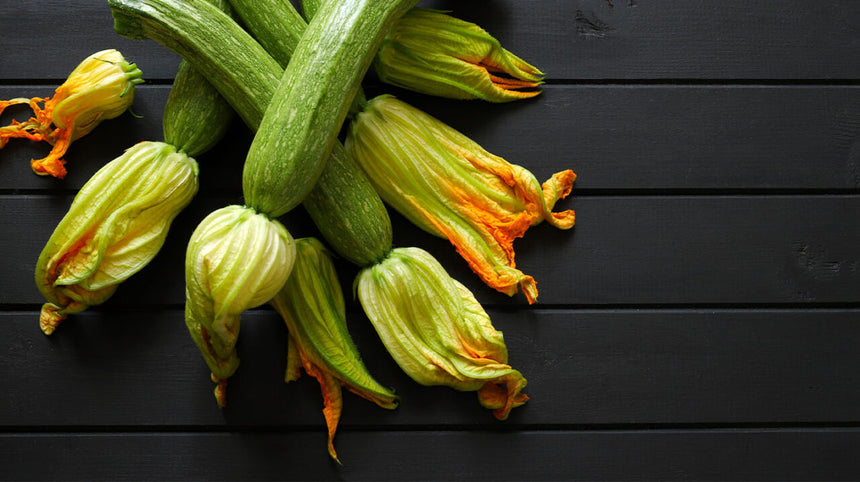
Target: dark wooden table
(699,322)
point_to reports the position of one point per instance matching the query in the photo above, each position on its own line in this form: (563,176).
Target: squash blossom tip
(101,87)
(434,53)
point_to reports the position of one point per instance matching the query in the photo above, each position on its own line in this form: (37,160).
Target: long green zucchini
(344,205)
(301,123)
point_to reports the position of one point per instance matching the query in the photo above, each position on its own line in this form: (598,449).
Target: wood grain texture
(585,368)
(783,455)
(711,138)
(568,39)
(625,250)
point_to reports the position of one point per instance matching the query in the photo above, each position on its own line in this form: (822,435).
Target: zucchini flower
(101,87)
(237,259)
(115,226)
(311,303)
(433,53)
(436,331)
(448,185)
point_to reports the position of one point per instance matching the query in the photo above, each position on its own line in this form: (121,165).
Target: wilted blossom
(436,331)
(236,259)
(115,226)
(434,53)
(101,87)
(451,187)
(312,305)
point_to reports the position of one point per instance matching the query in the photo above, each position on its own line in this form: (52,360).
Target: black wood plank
(584,368)
(675,39)
(46,39)
(428,455)
(568,39)
(695,138)
(623,251)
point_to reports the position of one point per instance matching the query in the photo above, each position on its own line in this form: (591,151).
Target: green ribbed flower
(434,53)
(436,331)
(115,226)
(236,260)
(101,87)
(311,303)
(451,187)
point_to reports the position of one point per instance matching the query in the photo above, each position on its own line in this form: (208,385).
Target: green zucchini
(310,8)
(343,204)
(301,123)
(196,117)
(190,28)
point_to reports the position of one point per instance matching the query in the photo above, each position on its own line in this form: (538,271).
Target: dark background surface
(699,322)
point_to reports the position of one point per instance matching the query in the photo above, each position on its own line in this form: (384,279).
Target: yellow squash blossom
(434,53)
(436,331)
(237,259)
(101,87)
(311,303)
(115,226)
(449,186)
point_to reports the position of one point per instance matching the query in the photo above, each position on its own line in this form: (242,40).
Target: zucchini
(196,117)
(301,123)
(310,8)
(190,28)
(343,204)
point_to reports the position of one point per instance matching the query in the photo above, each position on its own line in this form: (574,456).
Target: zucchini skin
(313,97)
(343,204)
(274,23)
(196,117)
(187,27)
(348,211)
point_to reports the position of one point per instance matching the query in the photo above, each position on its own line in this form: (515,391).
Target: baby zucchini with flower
(101,87)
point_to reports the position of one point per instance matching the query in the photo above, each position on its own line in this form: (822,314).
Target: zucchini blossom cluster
(451,187)
(101,87)
(434,53)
